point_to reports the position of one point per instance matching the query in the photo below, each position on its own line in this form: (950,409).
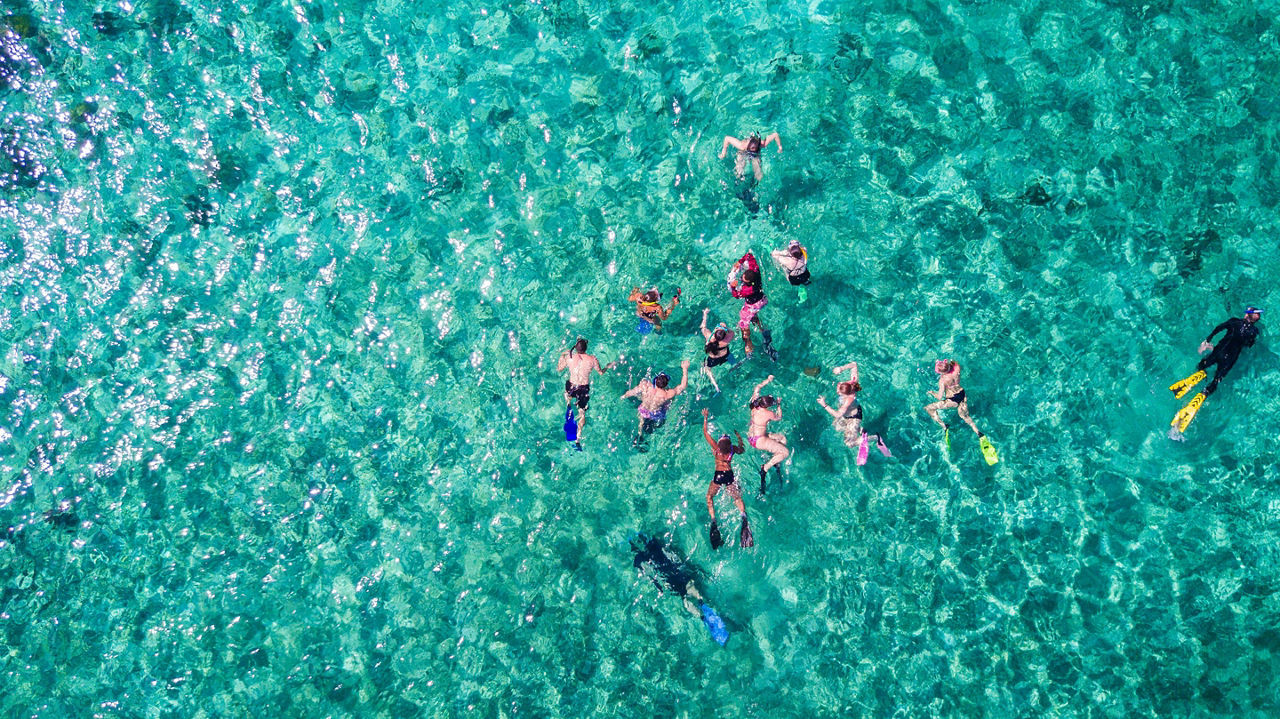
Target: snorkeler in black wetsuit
(655,562)
(1240,333)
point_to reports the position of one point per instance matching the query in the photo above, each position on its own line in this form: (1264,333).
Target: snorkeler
(656,562)
(758,436)
(749,151)
(717,348)
(750,289)
(650,310)
(1240,332)
(723,450)
(848,417)
(578,386)
(950,394)
(655,398)
(794,261)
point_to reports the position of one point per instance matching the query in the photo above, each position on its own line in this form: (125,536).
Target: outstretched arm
(705,332)
(706,433)
(773,137)
(635,295)
(853,370)
(674,301)
(564,361)
(755,394)
(731,141)
(684,378)
(635,390)
(827,407)
(742,446)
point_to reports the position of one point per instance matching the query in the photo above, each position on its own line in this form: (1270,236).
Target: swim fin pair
(1183,418)
(865,445)
(1184,386)
(745,539)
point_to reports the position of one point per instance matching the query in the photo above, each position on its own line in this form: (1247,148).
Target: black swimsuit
(723,477)
(580,392)
(958,397)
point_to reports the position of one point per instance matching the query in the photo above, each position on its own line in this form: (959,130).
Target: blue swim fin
(715,625)
(570,425)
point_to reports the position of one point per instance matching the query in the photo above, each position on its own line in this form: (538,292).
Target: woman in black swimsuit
(717,348)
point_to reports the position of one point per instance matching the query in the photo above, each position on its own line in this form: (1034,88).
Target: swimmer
(578,386)
(655,562)
(750,289)
(717,348)
(1239,333)
(649,305)
(794,261)
(655,399)
(758,436)
(848,417)
(950,394)
(723,450)
(749,151)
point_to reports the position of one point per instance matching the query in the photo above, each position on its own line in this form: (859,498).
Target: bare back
(760,419)
(580,367)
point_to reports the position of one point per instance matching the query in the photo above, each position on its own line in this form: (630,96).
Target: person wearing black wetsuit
(653,560)
(1240,332)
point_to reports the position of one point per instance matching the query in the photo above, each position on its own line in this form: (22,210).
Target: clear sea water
(284,284)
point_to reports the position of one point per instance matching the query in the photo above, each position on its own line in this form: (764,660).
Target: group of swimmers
(745,283)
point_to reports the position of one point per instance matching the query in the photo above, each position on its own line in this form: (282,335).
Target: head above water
(754,142)
(661,381)
(651,296)
(1252,314)
(723,445)
(765,401)
(795,249)
(848,388)
(720,334)
(580,346)
(944,366)
(751,277)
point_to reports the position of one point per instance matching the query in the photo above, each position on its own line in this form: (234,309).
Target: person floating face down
(723,450)
(649,306)
(655,398)
(578,386)
(669,572)
(749,149)
(794,261)
(1240,332)
(764,410)
(750,289)
(718,348)
(950,394)
(847,417)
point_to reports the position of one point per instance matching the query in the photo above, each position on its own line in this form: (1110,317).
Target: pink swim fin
(862,450)
(880,446)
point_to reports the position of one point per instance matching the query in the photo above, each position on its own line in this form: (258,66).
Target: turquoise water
(284,285)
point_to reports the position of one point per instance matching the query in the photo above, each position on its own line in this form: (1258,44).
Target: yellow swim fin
(988,451)
(1184,416)
(1182,387)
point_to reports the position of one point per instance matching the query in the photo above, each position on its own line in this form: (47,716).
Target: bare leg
(963,411)
(755,165)
(746,338)
(778,449)
(736,492)
(712,491)
(933,411)
(707,371)
(740,166)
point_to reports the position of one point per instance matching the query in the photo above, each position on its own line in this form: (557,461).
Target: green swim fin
(946,438)
(1183,418)
(1182,387)
(804,294)
(988,451)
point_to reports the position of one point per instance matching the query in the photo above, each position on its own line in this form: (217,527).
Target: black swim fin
(716,540)
(768,344)
(745,540)
(762,476)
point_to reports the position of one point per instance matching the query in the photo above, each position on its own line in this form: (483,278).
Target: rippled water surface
(284,284)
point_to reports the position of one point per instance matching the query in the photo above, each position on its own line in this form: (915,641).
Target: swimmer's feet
(763,473)
(578,445)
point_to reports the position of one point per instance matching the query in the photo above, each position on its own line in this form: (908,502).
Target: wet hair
(724,445)
(753,142)
(717,338)
(944,366)
(661,381)
(580,346)
(651,296)
(751,277)
(848,388)
(765,401)
(797,252)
